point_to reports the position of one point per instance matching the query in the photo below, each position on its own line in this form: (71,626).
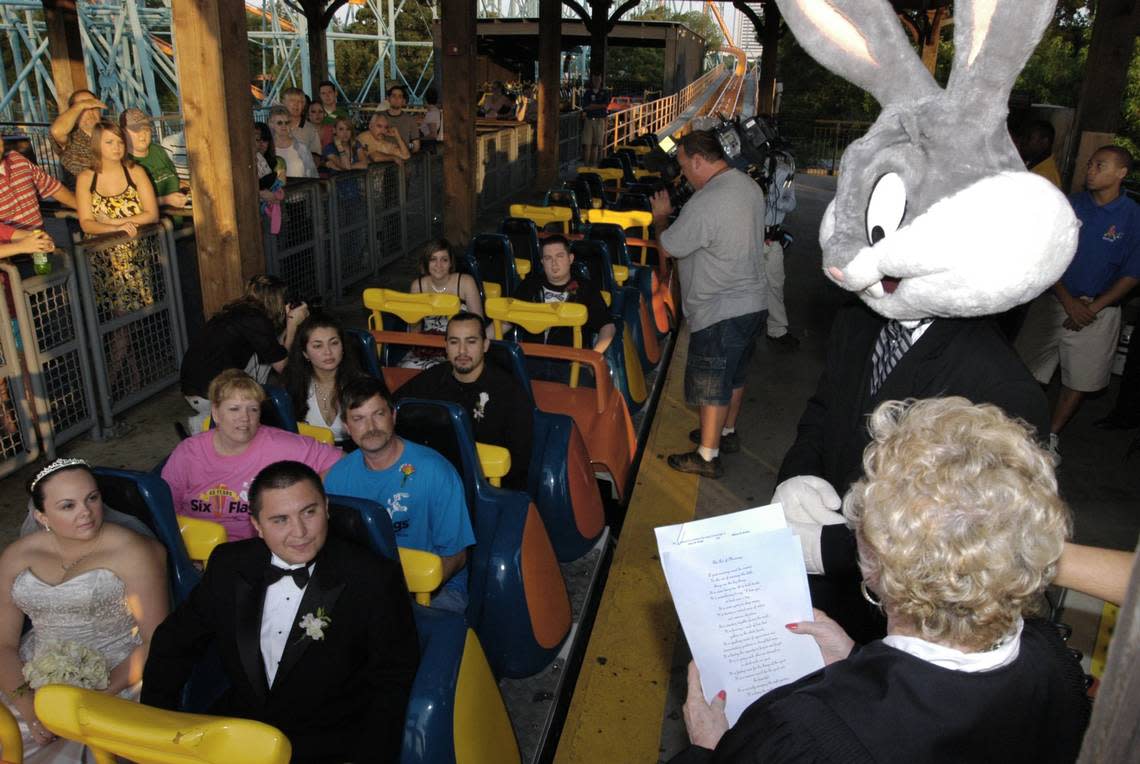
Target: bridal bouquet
(67,663)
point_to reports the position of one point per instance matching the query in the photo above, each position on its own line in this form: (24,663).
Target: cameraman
(718,243)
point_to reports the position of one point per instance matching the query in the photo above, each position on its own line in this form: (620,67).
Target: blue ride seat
(146,497)
(454,709)
(494,259)
(518,603)
(598,189)
(560,478)
(523,235)
(581,188)
(640,276)
(626,300)
(564,197)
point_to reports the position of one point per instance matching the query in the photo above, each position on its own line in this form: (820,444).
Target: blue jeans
(718,359)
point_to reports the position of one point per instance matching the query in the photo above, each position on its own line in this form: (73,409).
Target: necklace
(67,566)
(437,291)
(323,394)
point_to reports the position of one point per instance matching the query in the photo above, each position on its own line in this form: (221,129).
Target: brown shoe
(692,461)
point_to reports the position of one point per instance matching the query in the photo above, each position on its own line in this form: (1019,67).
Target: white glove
(809,503)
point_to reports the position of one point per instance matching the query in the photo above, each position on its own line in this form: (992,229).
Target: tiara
(56,466)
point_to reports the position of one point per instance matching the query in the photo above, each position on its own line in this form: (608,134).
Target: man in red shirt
(22,186)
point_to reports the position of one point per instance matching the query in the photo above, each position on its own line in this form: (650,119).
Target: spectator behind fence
(438,276)
(209,473)
(496,104)
(316,117)
(298,161)
(344,151)
(296,103)
(72,130)
(527,107)
(595,107)
(326,92)
(419,487)
(431,127)
(270,176)
(406,124)
(556,283)
(22,186)
(152,158)
(253,333)
(493,398)
(80,580)
(960,529)
(321,362)
(382,142)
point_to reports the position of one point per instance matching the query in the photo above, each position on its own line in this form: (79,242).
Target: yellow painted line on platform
(619,700)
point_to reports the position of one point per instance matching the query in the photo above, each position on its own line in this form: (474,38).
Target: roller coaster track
(729,100)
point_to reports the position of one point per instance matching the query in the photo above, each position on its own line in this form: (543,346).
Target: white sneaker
(1054,449)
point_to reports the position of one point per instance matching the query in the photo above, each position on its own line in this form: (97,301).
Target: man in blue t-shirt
(420,489)
(1077,322)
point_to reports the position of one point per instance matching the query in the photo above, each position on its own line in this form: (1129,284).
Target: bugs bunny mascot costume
(935,223)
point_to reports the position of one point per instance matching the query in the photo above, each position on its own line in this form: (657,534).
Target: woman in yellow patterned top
(115,196)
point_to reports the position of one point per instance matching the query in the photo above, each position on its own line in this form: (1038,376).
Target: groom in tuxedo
(315,634)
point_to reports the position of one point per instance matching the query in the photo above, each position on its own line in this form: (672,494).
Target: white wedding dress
(91,610)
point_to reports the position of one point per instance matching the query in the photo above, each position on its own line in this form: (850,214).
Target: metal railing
(19,444)
(818,144)
(654,116)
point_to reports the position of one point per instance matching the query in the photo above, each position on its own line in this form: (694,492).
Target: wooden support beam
(1115,27)
(216,107)
(769,59)
(316,23)
(66,48)
(549,57)
(599,27)
(457,42)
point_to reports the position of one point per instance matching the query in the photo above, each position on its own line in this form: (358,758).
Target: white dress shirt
(278,614)
(1002,654)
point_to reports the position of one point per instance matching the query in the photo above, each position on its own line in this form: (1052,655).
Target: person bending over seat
(556,283)
(960,530)
(86,585)
(315,634)
(209,474)
(254,333)
(419,488)
(321,363)
(496,402)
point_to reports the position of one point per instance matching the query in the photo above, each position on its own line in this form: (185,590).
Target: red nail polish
(722,695)
(791,626)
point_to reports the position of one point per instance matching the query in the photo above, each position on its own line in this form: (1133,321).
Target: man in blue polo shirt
(420,489)
(1077,322)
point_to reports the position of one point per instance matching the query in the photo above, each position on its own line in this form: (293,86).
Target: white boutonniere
(314,625)
(484,399)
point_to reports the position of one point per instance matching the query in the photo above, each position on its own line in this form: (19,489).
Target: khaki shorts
(594,131)
(1085,356)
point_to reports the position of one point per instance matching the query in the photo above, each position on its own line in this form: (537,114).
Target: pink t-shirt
(209,486)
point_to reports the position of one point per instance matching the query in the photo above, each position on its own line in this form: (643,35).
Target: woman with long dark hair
(321,362)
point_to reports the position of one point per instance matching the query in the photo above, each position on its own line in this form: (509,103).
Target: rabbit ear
(992,41)
(863,42)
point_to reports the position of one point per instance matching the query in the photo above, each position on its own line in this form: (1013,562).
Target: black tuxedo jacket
(965,357)
(341,698)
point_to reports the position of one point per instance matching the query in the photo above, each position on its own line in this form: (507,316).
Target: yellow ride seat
(111,726)
(423,573)
(11,742)
(496,462)
(639,219)
(412,308)
(200,537)
(605,173)
(522,267)
(537,317)
(317,433)
(543,216)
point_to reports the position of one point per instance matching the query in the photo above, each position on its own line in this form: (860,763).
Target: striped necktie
(892,344)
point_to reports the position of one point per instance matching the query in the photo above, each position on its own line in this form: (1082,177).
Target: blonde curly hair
(958,519)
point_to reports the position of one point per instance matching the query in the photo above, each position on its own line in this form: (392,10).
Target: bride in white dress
(78,580)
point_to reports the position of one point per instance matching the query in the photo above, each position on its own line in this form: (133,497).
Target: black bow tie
(300,575)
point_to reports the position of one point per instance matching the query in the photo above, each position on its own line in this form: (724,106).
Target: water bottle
(41,263)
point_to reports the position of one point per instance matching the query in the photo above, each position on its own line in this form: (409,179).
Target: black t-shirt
(499,409)
(535,288)
(228,341)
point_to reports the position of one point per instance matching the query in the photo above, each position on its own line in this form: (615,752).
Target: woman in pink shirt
(209,474)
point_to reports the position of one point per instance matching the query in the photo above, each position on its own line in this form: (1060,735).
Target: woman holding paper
(960,528)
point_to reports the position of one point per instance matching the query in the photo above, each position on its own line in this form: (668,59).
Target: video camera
(750,144)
